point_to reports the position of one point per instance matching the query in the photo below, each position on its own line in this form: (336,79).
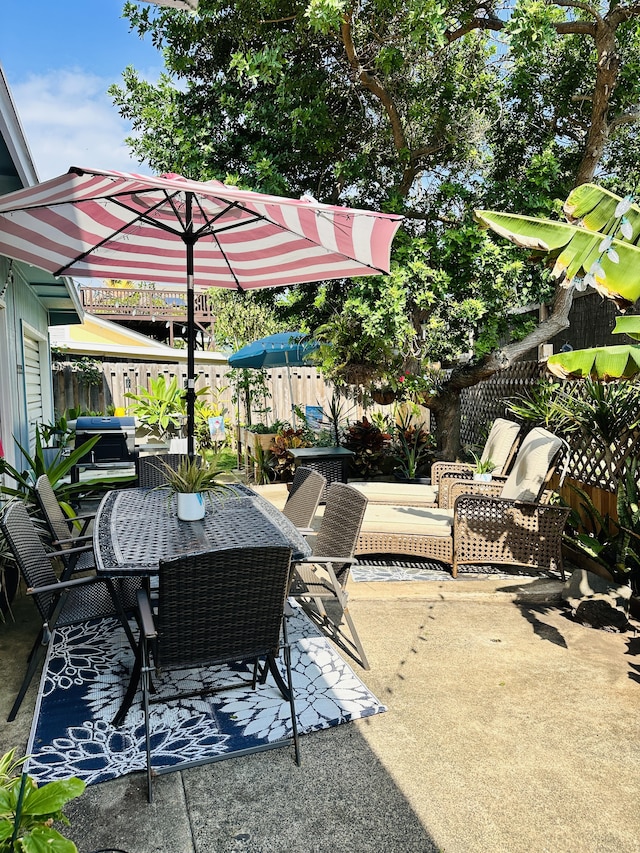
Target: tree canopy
(409,106)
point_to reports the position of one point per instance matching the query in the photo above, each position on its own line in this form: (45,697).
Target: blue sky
(59,57)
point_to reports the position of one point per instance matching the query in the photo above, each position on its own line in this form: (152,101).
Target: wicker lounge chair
(499,523)
(500,447)
(304,496)
(213,608)
(59,602)
(77,551)
(150,470)
(323,576)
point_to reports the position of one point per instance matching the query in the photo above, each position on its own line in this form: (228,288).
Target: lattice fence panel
(483,403)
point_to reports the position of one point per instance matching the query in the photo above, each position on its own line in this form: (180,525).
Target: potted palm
(191,482)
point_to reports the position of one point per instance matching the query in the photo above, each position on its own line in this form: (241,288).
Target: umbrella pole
(293,409)
(190,240)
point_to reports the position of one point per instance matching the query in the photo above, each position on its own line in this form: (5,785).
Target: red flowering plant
(282,461)
(413,386)
(369,444)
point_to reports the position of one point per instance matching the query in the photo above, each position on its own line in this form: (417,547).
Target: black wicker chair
(304,496)
(76,549)
(322,578)
(59,602)
(151,472)
(213,608)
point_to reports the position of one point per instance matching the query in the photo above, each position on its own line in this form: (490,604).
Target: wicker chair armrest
(81,516)
(145,616)
(440,468)
(471,487)
(59,586)
(317,559)
(64,552)
(495,507)
(76,539)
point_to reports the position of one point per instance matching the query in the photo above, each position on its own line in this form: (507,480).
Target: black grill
(117,439)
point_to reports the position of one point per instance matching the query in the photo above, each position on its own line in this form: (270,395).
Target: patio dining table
(136,528)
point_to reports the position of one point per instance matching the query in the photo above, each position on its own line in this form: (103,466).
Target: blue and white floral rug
(86,674)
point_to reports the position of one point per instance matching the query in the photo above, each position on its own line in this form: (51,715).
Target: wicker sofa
(505,523)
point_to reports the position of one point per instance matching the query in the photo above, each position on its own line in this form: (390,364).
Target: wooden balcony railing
(120,304)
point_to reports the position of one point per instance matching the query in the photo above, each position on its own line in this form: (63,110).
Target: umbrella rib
(66,268)
(213,233)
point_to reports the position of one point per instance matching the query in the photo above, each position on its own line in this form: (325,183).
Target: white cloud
(69,120)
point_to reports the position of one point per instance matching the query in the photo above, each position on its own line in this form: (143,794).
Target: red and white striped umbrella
(202,234)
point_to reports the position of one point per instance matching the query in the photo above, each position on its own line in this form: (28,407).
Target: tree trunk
(446,408)
(608,68)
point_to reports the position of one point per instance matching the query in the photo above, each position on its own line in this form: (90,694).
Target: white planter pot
(190,506)
(483,478)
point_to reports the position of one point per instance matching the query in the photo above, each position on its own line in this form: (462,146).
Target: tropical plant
(412,450)
(264,463)
(538,405)
(595,247)
(267,429)
(56,470)
(368,444)
(28,812)
(613,543)
(482,466)
(283,463)
(161,406)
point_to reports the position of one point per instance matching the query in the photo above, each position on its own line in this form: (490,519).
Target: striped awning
(125,226)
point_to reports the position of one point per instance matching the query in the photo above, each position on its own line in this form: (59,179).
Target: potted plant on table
(482,469)
(191,482)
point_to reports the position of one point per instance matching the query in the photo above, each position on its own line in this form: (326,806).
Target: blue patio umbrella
(286,349)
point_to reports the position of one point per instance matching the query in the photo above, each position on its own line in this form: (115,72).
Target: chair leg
(277,677)
(147,722)
(292,703)
(132,688)
(35,659)
(117,603)
(356,639)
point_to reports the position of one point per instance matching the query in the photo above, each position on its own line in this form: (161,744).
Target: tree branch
(579,4)
(373,84)
(467,375)
(624,118)
(490,22)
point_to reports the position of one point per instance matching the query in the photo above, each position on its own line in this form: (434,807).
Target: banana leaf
(602,363)
(595,208)
(578,250)
(629,325)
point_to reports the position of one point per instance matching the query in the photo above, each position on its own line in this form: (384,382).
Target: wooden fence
(72,388)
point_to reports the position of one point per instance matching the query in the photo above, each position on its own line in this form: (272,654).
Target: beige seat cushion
(410,494)
(532,465)
(421,521)
(499,443)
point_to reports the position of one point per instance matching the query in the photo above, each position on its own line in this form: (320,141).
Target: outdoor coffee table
(136,528)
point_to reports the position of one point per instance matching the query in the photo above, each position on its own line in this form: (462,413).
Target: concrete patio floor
(509,729)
